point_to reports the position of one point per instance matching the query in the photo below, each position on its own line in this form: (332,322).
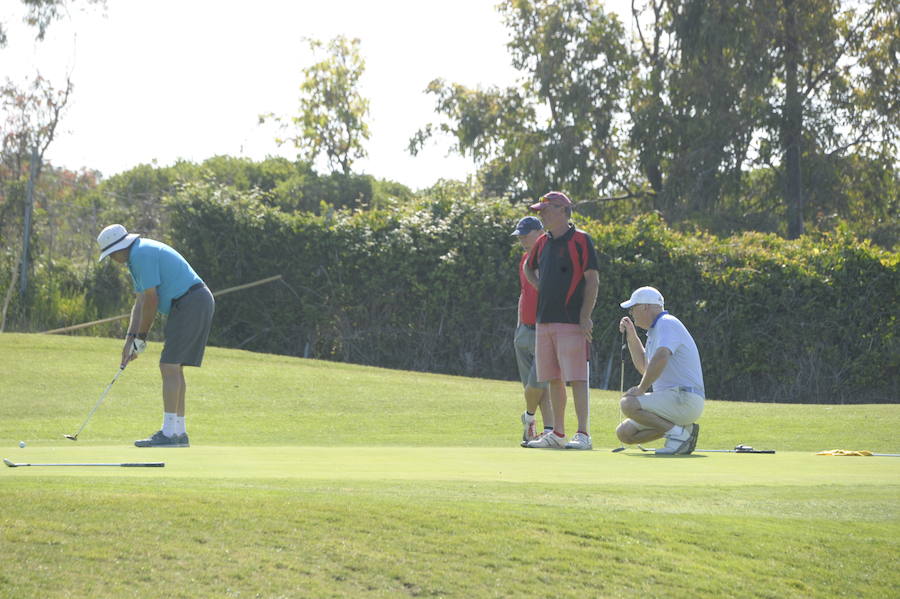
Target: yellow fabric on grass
(862,452)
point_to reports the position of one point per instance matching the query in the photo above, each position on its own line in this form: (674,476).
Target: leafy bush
(431,285)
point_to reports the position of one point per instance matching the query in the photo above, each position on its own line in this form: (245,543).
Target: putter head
(8,463)
(71,437)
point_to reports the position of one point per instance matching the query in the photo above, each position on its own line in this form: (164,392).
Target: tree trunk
(26,229)
(792,123)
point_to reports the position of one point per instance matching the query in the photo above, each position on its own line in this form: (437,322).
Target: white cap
(645,295)
(114,238)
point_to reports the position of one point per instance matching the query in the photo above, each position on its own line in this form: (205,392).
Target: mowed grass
(315,479)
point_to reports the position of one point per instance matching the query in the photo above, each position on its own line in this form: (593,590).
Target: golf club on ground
(96,405)
(737,449)
(122,465)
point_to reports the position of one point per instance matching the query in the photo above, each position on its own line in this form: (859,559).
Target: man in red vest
(528,231)
(562,265)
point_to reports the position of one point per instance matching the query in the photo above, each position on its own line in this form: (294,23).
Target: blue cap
(527,225)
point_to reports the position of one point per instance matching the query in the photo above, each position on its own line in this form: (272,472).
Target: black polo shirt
(559,300)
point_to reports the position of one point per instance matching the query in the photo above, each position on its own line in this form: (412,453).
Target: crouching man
(670,364)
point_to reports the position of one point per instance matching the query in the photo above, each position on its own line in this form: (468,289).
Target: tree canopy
(770,114)
(331,119)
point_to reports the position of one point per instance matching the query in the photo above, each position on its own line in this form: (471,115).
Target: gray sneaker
(580,441)
(158,439)
(183,440)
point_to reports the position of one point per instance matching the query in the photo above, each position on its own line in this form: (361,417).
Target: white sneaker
(580,441)
(529,432)
(548,440)
(679,444)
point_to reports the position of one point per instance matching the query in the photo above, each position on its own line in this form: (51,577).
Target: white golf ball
(21,443)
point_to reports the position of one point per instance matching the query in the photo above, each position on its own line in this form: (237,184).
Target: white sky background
(164,80)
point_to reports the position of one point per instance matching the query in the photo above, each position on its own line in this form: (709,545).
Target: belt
(193,287)
(528,326)
(691,390)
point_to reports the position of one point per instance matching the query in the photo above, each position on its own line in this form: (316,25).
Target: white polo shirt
(683,368)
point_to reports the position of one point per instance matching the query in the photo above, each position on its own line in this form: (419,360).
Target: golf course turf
(316,479)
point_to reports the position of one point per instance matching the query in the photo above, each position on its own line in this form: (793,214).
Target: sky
(162,80)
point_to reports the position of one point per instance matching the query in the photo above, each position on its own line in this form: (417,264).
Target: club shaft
(734,451)
(119,465)
(99,401)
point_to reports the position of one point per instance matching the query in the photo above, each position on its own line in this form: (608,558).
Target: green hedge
(432,286)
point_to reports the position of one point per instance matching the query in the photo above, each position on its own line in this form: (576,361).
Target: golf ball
(21,443)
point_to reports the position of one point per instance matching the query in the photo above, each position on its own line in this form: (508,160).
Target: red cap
(554,197)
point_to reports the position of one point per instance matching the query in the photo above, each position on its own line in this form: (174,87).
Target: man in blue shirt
(670,363)
(164,282)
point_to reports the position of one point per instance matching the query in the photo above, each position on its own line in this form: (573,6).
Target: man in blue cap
(528,231)
(164,282)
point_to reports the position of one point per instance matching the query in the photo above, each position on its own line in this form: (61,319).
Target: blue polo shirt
(154,264)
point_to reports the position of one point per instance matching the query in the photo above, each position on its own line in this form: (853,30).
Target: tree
(31,117)
(41,13)
(696,98)
(331,121)
(792,87)
(558,127)
(831,84)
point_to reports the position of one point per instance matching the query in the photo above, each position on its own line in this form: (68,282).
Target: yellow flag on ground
(863,452)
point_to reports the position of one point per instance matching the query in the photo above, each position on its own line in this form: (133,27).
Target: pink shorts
(561,352)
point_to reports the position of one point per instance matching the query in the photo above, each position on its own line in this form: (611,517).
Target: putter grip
(143,464)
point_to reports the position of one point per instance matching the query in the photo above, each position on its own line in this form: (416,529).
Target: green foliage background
(431,285)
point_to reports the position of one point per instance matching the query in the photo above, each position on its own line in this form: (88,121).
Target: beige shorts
(678,407)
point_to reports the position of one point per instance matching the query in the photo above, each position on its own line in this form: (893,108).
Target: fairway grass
(314,479)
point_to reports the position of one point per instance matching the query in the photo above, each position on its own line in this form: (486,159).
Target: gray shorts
(524,344)
(187,328)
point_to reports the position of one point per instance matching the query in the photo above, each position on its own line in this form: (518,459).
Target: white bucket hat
(645,295)
(114,238)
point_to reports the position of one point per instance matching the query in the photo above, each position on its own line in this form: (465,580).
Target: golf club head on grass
(74,436)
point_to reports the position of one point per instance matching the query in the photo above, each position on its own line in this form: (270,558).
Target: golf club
(12,464)
(96,405)
(622,366)
(621,380)
(737,449)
